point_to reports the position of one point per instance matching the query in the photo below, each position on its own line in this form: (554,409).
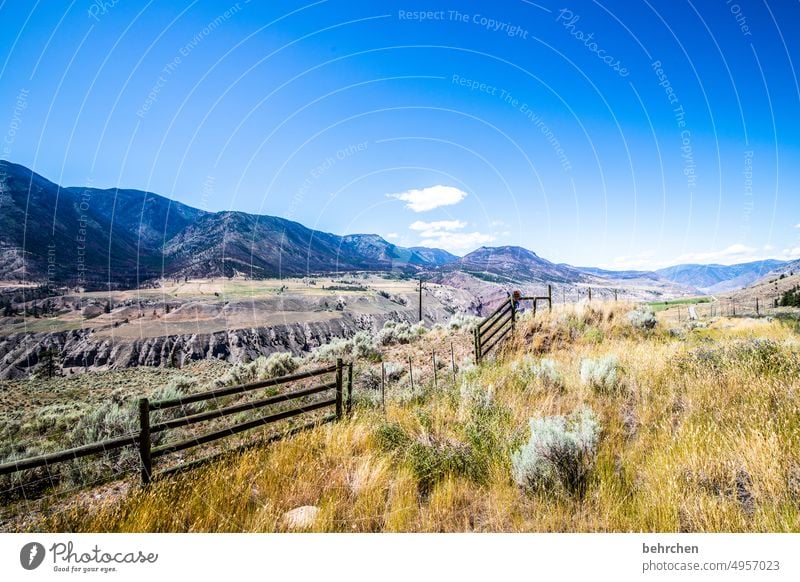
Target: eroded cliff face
(85,349)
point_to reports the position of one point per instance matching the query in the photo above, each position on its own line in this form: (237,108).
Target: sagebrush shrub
(602,374)
(394,371)
(474,395)
(642,317)
(433,459)
(364,347)
(560,454)
(336,348)
(546,371)
(368,379)
(277,364)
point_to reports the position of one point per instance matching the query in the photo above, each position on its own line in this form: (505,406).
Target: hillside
(768,289)
(83,234)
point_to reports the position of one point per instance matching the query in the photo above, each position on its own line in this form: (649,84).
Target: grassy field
(636,429)
(664,305)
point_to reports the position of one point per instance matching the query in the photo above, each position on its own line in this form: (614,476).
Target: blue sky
(614,134)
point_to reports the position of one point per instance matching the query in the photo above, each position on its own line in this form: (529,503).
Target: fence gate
(494,328)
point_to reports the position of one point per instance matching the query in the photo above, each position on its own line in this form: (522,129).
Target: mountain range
(99,238)
(125,237)
(720,278)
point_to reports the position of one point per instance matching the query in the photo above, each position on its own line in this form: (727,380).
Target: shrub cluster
(402,332)
(262,368)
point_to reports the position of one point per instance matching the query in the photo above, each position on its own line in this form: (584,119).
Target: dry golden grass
(702,435)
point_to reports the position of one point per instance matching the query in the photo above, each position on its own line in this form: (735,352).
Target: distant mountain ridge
(123,238)
(513,263)
(720,278)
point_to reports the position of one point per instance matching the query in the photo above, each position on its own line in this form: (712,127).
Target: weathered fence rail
(143,440)
(69,454)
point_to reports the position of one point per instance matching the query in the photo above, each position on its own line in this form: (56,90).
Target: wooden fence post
(590,294)
(477,344)
(513,313)
(420,299)
(383,386)
(435,373)
(757,311)
(144,440)
(549,297)
(338,388)
(411,373)
(349,387)
(453,362)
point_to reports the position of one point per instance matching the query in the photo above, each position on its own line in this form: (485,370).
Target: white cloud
(446,234)
(797,225)
(735,253)
(392,236)
(429,198)
(436,226)
(458,242)
(791,254)
(639,262)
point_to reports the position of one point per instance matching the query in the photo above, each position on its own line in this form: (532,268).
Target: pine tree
(791,297)
(49,362)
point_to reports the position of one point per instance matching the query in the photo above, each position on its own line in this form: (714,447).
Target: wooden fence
(144,439)
(493,329)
